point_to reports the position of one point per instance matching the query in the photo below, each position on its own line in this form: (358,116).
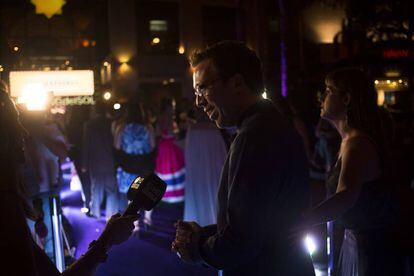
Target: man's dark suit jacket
(263,191)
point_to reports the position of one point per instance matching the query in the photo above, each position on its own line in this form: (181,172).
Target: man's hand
(186,241)
(118,229)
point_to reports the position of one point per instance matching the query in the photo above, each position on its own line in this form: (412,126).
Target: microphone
(144,193)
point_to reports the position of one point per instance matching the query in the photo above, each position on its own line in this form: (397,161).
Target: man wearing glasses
(264,182)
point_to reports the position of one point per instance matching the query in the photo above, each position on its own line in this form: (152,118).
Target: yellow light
(67,62)
(380,97)
(388,81)
(15,48)
(106,63)
(124,68)
(1,69)
(124,58)
(181,50)
(117,106)
(394,83)
(264,95)
(376,81)
(49,8)
(33,96)
(165,82)
(171,80)
(155,40)
(107,95)
(400,81)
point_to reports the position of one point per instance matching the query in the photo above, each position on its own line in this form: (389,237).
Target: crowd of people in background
(356,150)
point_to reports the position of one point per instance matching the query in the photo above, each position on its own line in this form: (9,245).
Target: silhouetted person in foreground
(20,255)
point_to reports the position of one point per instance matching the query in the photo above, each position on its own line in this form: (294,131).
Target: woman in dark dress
(360,201)
(19,254)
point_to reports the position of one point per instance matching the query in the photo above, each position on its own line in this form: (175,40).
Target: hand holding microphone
(144,193)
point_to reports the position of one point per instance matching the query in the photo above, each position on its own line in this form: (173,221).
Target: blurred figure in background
(46,148)
(77,115)
(288,109)
(98,162)
(205,153)
(326,150)
(170,157)
(132,140)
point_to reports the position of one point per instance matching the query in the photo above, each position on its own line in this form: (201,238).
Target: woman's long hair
(134,113)
(363,112)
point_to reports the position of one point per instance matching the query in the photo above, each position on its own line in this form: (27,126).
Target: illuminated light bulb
(107,95)
(117,106)
(310,244)
(181,50)
(376,81)
(34,96)
(156,40)
(15,48)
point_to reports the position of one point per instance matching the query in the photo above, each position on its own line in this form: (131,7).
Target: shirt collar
(259,106)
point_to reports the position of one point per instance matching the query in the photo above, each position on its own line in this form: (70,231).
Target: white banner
(60,83)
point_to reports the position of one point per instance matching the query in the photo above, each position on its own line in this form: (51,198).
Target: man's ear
(347,99)
(237,82)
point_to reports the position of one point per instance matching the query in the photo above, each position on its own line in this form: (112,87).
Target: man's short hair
(230,58)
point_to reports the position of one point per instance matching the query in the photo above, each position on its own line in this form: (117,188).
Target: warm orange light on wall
(85,43)
(124,58)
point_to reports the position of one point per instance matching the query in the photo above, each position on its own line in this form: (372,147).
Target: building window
(158,27)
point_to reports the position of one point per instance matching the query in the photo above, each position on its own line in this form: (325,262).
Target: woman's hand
(118,229)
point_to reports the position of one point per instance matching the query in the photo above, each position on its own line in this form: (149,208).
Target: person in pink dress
(170,165)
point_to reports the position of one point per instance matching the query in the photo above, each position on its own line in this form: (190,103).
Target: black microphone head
(146,191)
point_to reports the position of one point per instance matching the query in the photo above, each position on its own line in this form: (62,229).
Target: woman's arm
(359,164)
(116,231)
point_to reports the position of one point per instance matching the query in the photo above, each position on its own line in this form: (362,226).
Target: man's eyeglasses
(201,89)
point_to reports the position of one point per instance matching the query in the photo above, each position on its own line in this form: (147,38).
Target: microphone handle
(132,209)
